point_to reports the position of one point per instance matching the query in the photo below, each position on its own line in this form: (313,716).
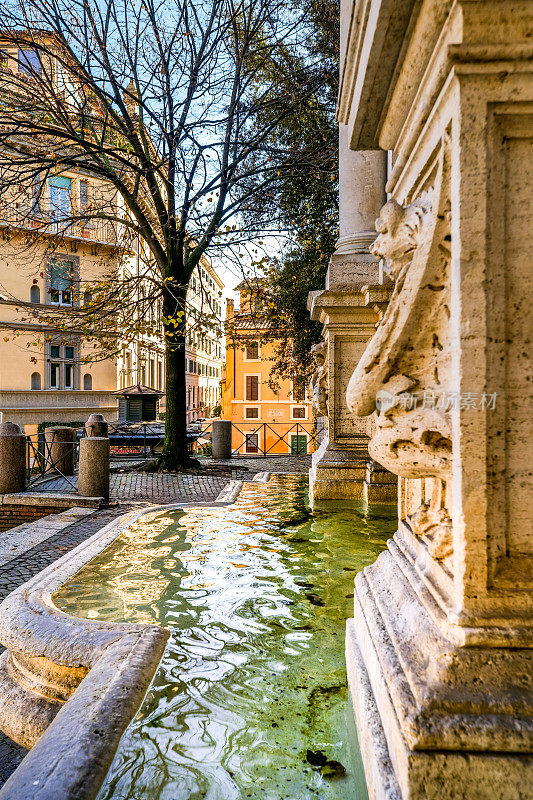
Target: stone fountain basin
(69,687)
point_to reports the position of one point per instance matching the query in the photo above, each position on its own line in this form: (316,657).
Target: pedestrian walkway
(154,486)
(162,487)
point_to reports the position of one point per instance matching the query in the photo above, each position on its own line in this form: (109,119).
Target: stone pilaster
(349,319)
(439,652)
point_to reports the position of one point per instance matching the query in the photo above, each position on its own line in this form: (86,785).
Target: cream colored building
(42,377)
(142,360)
(48,263)
(205,353)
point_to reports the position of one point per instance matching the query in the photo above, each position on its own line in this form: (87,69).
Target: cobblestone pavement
(155,486)
(170,488)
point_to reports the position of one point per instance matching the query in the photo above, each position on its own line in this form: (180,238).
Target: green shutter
(135,407)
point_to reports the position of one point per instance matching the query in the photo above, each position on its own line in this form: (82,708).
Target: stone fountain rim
(71,758)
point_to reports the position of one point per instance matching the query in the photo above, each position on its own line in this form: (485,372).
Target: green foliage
(306,205)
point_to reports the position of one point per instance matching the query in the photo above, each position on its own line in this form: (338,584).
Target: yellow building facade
(270,417)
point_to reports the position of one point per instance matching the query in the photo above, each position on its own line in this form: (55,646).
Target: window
(252,351)
(191,365)
(252,442)
(84,194)
(87,382)
(29,62)
(62,363)
(69,367)
(159,374)
(298,413)
(36,380)
(35,294)
(252,387)
(60,197)
(61,272)
(252,413)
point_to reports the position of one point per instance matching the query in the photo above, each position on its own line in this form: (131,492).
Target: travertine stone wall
(439,651)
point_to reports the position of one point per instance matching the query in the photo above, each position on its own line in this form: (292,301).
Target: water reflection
(250,699)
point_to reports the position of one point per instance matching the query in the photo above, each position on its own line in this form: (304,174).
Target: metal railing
(44,464)
(263,439)
(134,440)
(97,231)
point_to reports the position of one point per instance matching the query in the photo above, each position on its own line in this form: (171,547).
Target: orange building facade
(272,418)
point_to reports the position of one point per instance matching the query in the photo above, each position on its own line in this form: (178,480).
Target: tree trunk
(175,453)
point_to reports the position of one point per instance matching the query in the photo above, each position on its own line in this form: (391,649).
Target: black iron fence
(263,439)
(49,455)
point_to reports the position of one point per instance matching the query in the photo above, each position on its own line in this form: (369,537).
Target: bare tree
(174,105)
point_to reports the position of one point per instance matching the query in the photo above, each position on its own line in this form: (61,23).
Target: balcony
(94,231)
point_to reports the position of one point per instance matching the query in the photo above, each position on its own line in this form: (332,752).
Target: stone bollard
(12,458)
(97,426)
(60,444)
(93,479)
(221,438)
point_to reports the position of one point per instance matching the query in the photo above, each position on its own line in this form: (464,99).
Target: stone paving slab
(18,540)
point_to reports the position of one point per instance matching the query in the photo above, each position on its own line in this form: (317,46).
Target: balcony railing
(96,231)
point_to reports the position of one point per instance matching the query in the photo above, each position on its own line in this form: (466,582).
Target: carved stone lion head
(399,231)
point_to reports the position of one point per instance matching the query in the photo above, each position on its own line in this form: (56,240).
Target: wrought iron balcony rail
(96,231)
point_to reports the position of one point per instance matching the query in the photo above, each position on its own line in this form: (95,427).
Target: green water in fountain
(250,698)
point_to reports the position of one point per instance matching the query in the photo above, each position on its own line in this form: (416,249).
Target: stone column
(349,310)
(221,438)
(12,458)
(59,445)
(93,480)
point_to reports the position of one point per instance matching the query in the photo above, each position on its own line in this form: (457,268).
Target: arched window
(35,294)
(36,380)
(87,382)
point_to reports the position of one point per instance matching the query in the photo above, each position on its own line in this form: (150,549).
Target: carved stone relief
(319,380)
(404,375)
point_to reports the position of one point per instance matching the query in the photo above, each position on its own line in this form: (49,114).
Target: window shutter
(135,409)
(252,387)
